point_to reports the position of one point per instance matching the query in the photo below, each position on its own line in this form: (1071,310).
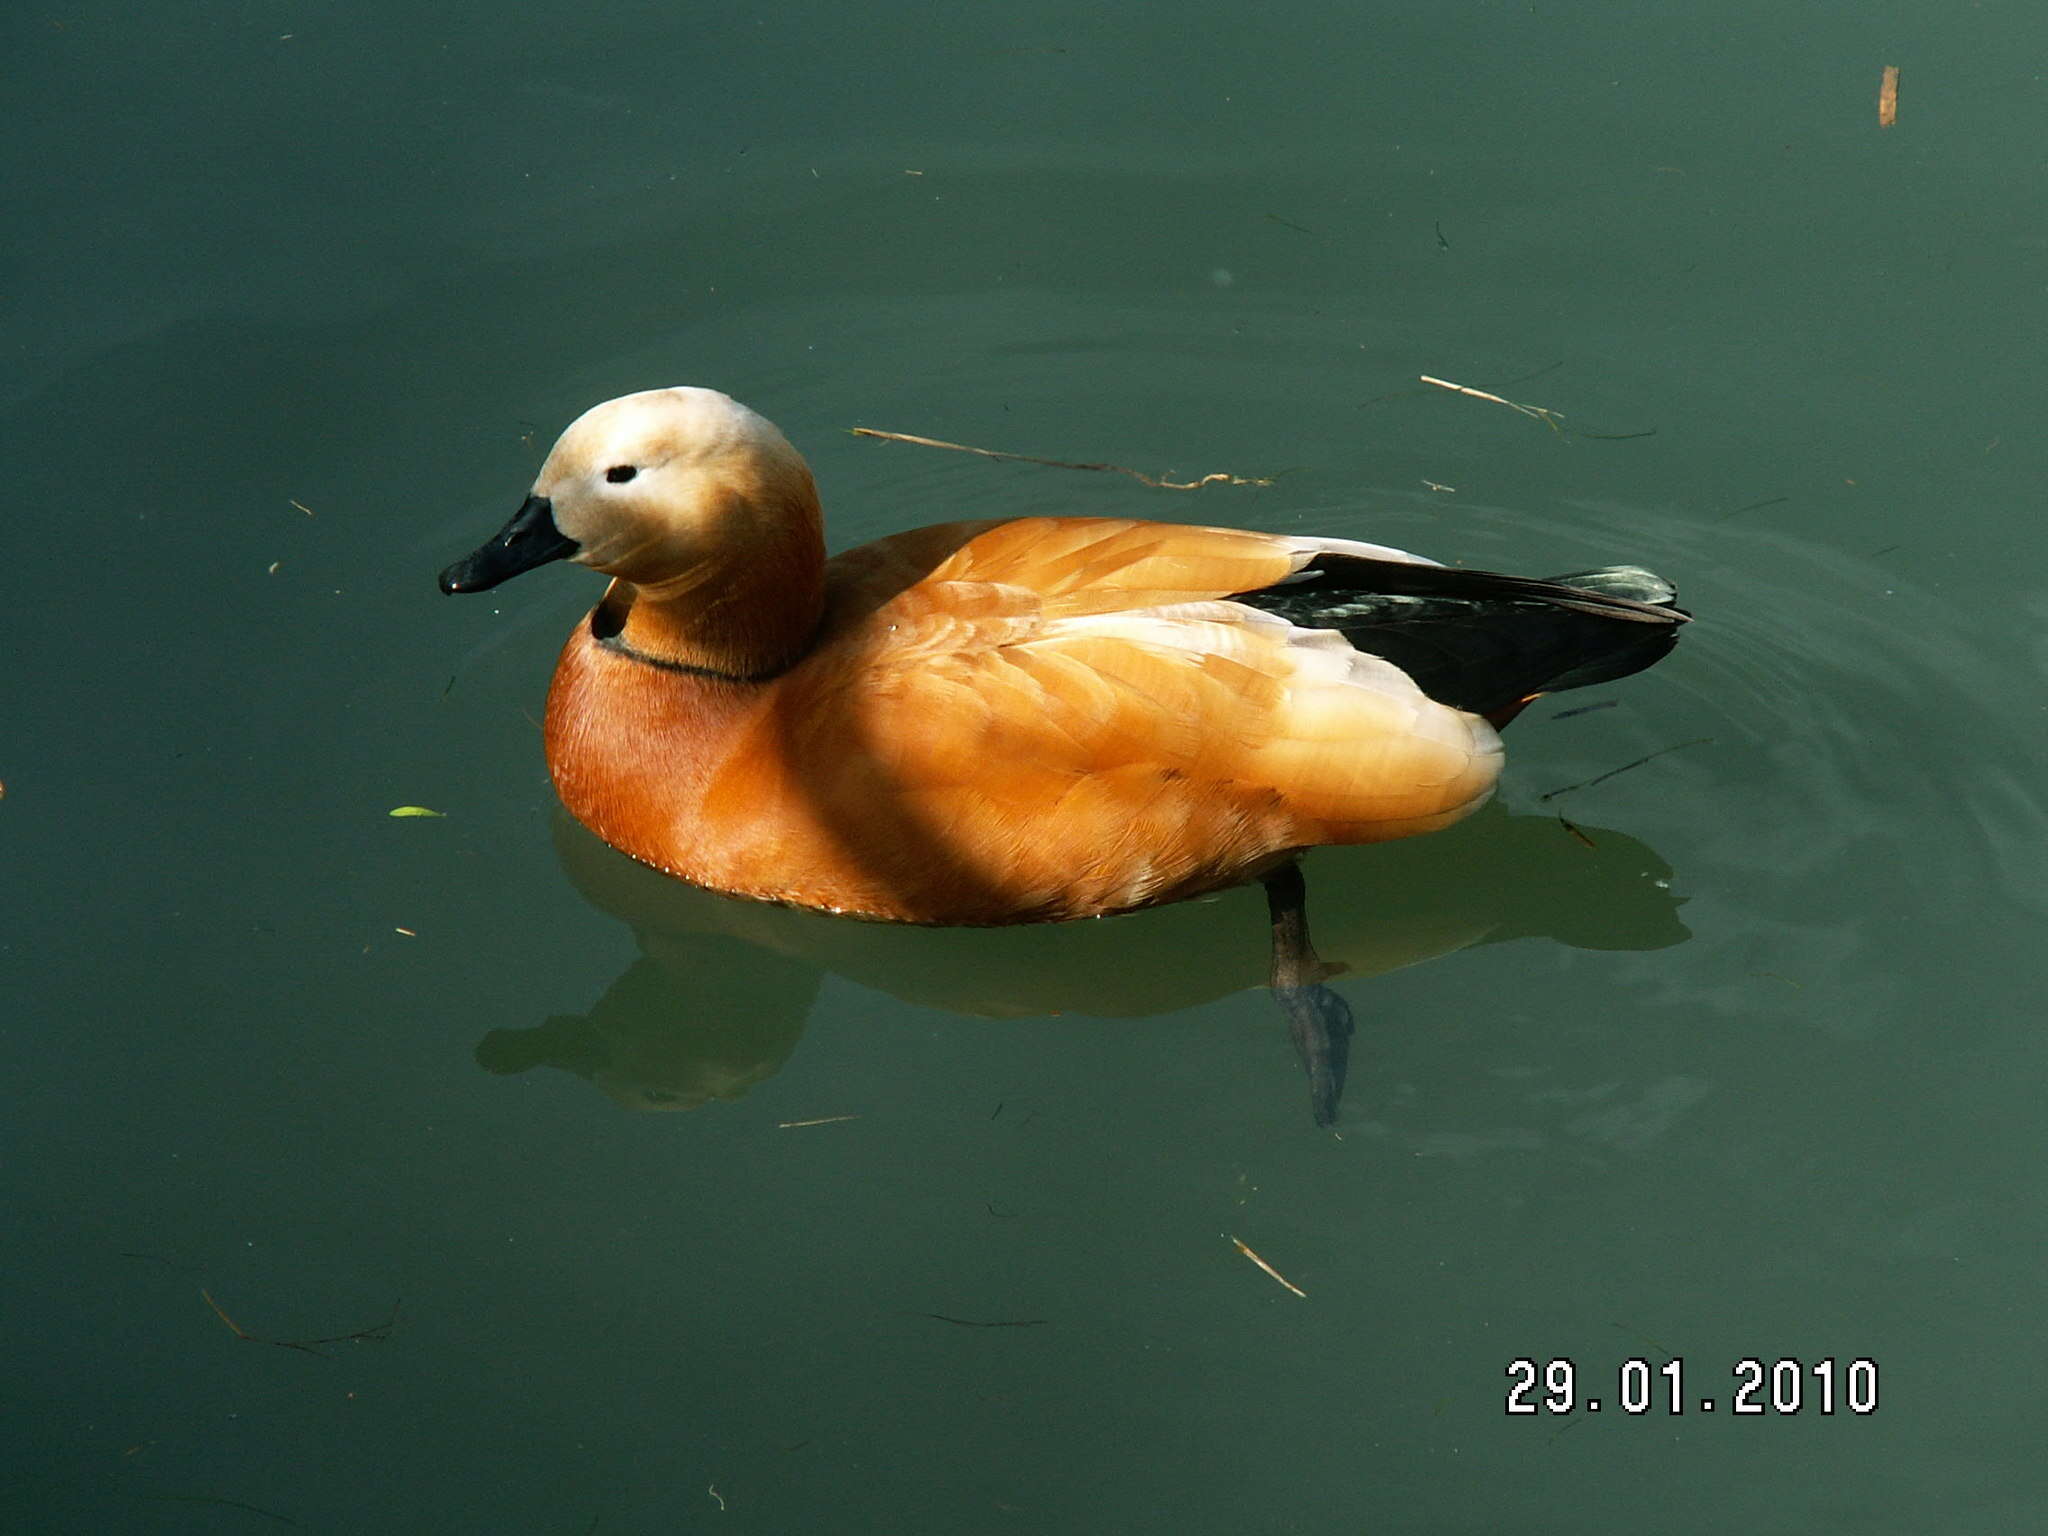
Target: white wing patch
(1311,547)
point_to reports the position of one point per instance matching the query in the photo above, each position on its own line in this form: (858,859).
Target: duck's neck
(747,609)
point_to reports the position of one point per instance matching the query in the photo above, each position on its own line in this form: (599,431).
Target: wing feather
(1065,715)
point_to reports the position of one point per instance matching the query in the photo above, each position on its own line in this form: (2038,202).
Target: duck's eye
(619,474)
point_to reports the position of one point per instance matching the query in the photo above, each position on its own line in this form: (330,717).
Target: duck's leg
(1317,1018)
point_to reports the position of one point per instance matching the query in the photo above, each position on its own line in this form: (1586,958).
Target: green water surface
(1749,1066)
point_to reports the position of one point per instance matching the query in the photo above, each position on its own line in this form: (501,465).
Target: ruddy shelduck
(1021,720)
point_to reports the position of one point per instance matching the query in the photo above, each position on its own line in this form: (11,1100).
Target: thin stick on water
(1585,709)
(376,1333)
(1157,482)
(1269,1269)
(1544,414)
(1650,757)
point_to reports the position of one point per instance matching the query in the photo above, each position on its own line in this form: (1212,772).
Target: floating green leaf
(417,810)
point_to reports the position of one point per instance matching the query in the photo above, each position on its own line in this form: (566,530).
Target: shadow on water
(652,1043)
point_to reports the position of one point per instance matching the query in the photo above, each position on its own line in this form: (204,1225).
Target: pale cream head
(652,485)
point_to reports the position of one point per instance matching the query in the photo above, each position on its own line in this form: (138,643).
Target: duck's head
(654,488)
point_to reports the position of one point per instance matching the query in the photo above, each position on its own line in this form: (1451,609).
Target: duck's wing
(1113,732)
(1057,717)
(1480,641)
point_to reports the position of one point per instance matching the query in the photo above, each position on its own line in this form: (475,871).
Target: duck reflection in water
(650,1043)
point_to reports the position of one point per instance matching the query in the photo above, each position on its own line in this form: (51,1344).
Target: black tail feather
(1480,640)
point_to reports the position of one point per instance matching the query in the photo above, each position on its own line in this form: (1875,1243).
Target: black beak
(530,539)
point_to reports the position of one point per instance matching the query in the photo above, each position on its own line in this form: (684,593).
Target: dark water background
(297,295)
